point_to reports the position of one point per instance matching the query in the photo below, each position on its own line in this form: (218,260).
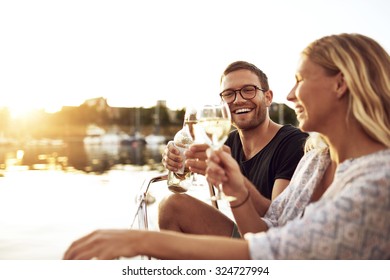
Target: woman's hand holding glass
(222,168)
(214,123)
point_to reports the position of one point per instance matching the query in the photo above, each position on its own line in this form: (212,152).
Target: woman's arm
(250,205)
(111,244)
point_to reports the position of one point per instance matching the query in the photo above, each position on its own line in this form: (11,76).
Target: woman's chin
(303,125)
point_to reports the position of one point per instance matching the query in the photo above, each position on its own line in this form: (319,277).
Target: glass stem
(219,191)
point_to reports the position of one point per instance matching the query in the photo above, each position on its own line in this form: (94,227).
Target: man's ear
(269,95)
(342,88)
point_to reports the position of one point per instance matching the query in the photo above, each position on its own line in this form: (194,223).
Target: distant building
(158,116)
(161,103)
(100,103)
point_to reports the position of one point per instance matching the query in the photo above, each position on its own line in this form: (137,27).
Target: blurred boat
(5,141)
(46,142)
(154,139)
(96,135)
(135,139)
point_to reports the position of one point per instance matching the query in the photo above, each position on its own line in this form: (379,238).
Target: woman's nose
(291,95)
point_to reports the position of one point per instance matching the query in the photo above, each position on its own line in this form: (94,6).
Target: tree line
(72,121)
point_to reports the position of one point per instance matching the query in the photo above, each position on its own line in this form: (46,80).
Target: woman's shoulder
(312,161)
(374,163)
(316,154)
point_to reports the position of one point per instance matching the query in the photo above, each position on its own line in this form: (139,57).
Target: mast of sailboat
(137,121)
(157,119)
(281,113)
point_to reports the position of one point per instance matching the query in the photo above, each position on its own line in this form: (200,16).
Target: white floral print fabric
(350,221)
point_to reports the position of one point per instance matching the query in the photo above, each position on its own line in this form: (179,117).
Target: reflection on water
(75,154)
(43,211)
(63,196)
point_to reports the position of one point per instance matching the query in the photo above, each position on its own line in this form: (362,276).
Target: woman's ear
(342,87)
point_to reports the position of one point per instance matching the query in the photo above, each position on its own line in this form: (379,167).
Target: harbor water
(43,211)
(46,206)
(51,195)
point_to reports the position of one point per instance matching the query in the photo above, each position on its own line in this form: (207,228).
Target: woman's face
(315,97)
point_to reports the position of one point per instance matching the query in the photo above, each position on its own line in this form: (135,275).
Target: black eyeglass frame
(239,91)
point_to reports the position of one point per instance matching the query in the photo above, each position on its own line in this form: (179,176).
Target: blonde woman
(337,204)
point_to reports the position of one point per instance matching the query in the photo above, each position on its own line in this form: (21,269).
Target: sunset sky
(55,53)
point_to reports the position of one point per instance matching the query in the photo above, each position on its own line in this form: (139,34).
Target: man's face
(246,114)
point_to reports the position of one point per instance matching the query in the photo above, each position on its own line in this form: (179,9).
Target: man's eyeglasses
(247,92)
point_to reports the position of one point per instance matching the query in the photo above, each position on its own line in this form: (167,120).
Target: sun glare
(18,112)
(24,111)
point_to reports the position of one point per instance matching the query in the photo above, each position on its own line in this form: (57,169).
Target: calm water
(51,195)
(43,211)
(74,154)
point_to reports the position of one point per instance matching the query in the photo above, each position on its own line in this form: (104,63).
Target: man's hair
(365,66)
(240,65)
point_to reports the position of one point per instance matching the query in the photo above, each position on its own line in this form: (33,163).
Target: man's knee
(170,210)
(172,202)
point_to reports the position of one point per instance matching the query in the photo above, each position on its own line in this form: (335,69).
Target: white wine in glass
(216,122)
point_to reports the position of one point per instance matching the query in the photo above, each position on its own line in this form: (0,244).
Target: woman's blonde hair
(315,141)
(365,66)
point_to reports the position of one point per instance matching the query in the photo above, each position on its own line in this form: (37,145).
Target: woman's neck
(352,143)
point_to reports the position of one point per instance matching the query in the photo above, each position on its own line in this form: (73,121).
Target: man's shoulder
(234,141)
(233,136)
(289,131)
(288,128)
(289,139)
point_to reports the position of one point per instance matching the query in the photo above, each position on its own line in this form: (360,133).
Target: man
(267,153)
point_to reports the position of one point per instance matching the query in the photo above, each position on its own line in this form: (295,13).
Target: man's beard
(259,119)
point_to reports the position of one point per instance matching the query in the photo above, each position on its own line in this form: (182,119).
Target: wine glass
(181,181)
(190,120)
(216,122)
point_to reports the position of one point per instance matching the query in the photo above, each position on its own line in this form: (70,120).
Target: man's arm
(261,203)
(279,186)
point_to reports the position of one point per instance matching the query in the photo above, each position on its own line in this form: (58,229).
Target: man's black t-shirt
(277,160)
